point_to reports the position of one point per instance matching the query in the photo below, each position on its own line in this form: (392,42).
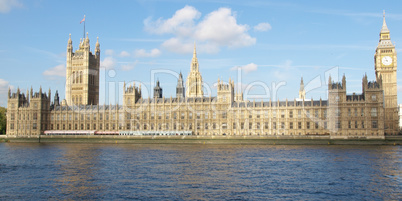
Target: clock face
(387,60)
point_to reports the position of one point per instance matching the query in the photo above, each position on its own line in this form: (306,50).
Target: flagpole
(84,27)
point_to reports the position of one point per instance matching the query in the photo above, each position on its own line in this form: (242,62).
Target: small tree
(3,120)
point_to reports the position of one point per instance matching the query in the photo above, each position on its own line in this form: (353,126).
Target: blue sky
(273,43)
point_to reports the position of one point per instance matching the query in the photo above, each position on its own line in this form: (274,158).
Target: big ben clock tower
(385,63)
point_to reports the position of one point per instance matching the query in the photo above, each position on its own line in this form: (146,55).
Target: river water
(200,172)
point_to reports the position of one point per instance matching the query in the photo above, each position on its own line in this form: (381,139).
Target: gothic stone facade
(341,116)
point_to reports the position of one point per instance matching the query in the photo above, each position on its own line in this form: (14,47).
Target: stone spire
(194,79)
(302,92)
(97,46)
(180,91)
(194,61)
(384,28)
(157,90)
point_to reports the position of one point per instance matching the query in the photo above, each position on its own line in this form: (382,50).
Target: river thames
(199,172)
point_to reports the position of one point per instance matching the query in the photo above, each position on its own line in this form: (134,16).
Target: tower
(157,90)
(225,91)
(385,63)
(194,79)
(180,91)
(82,73)
(131,95)
(302,92)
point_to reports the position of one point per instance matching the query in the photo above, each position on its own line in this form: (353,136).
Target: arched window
(73,76)
(80,76)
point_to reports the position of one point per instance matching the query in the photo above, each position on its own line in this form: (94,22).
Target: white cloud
(181,23)
(4,86)
(57,71)
(220,27)
(108,63)
(109,52)
(143,53)
(263,26)
(177,46)
(128,66)
(124,54)
(216,30)
(7,5)
(246,68)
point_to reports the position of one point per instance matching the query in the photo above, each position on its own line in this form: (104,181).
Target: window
(206,125)
(266,125)
(374,124)
(214,126)
(349,112)
(373,97)
(234,125)
(258,125)
(224,115)
(274,125)
(290,125)
(349,124)
(316,113)
(34,126)
(325,125)
(206,115)
(224,126)
(355,124)
(282,114)
(250,125)
(338,124)
(291,114)
(374,112)
(362,124)
(198,115)
(308,125)
(242,125)
(282,125)
(190,126)
(338,112)
(298,113)
(167,116)
(299,125)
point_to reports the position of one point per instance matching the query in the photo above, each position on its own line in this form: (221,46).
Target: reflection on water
(201,172)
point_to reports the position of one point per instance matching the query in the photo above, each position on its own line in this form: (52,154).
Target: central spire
(194,62)
(195,52)
(194,79)
(384,28)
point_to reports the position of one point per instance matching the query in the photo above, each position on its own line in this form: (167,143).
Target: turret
(344,82)
(180,90)
(56,99)
(302,92)
(97,47)
(157,90)
(69,45)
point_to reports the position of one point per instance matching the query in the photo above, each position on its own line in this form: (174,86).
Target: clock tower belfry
(385,63)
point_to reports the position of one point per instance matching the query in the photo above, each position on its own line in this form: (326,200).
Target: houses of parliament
(370,114)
